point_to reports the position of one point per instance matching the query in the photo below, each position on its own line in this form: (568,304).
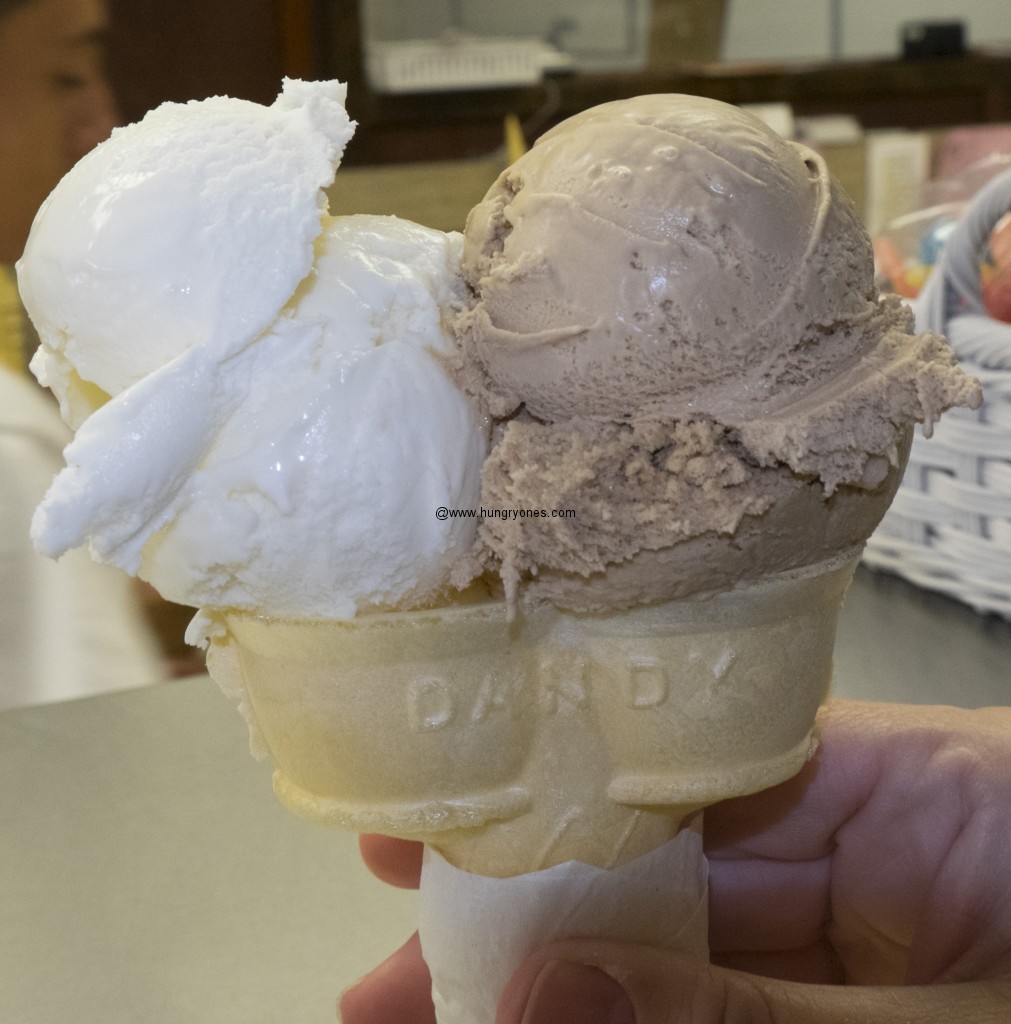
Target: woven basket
(949,528)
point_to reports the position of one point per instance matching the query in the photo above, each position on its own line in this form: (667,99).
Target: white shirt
(71,627)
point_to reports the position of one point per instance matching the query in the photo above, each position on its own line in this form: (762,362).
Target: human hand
(874,887)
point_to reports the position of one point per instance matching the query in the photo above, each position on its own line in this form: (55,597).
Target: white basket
(949,528)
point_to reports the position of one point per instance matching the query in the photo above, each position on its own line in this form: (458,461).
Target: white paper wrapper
(476,930)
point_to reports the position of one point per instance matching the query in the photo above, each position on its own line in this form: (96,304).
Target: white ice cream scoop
(281,428)
(192,226)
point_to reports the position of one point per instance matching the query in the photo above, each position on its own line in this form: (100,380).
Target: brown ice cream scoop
(673,323)
(666,255)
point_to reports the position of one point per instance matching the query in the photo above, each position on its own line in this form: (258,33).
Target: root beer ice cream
(674,322)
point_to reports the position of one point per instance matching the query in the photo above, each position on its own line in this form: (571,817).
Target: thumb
(590,982)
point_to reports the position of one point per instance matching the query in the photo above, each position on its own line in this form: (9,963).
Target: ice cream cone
(653,368)
(511,746)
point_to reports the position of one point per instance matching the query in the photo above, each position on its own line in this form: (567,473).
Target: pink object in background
(996,289)
(959,149)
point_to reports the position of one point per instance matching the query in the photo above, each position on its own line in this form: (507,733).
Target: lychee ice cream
(264,419)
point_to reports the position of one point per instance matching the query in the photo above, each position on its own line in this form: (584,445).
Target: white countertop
(150,877)
(902,643)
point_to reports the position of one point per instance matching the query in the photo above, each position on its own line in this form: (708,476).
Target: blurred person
(69,628)
(72,627)
(55,103)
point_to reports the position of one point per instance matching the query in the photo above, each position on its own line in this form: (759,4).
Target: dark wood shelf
(190,49)
(974,89)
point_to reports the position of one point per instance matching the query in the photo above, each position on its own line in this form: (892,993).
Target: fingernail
(566,993)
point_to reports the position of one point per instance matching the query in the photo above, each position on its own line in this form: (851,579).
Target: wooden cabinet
(190,49)
(975,89)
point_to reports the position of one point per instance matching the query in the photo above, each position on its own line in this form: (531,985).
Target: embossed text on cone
(510,746)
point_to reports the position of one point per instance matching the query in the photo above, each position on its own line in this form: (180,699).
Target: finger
(399,989)
(394,861)
(882,844)
(770,860)
(814,964)
(799,819)
(763,906)
(647,986)
(867,749)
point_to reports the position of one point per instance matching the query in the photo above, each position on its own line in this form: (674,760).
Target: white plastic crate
(459,63)
(949,528)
